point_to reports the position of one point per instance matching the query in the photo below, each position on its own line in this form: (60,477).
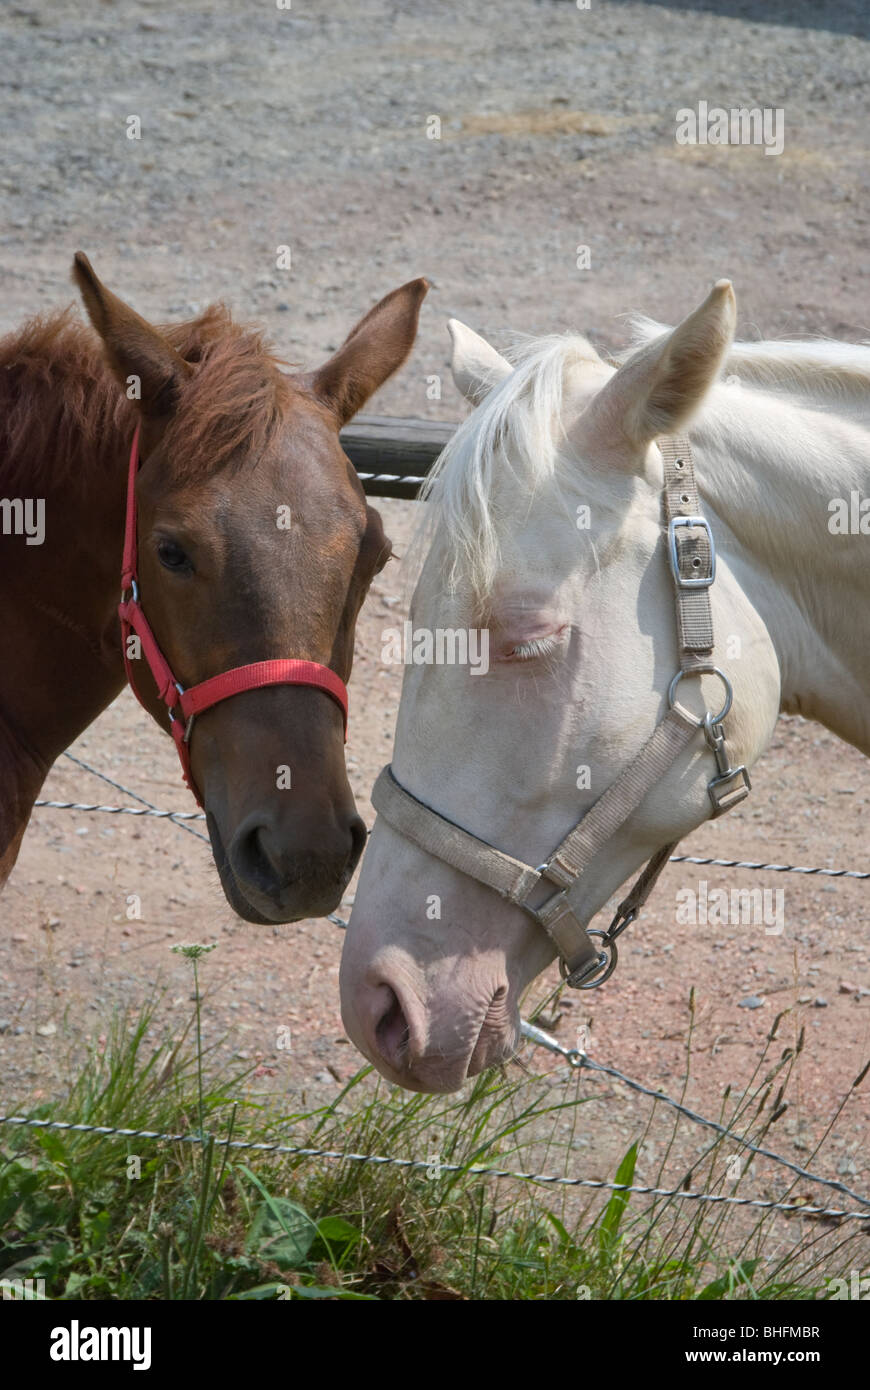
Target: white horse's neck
(768,469)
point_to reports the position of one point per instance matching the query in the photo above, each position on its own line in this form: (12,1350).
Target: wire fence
(436,1167)
(534,1034)
(147,808)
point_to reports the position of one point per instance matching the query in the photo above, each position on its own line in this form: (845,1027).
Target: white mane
(519,428)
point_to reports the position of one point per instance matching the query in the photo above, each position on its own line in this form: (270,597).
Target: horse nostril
(392,1034)
(314,863)
(358,837)
(251,859)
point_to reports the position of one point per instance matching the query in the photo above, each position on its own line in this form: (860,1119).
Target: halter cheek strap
(183,704)
(587,963)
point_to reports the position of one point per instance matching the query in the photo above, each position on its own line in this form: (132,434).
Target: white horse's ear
(476,366)
(658,390)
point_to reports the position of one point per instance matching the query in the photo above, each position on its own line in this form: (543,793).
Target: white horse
(579,609)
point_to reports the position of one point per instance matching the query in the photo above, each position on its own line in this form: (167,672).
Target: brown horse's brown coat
(227,436)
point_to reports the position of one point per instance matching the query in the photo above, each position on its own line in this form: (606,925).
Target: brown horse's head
(255,542)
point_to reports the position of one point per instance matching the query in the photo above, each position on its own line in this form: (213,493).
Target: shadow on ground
(851,18)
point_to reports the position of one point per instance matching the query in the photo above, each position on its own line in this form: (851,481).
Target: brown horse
(255,542)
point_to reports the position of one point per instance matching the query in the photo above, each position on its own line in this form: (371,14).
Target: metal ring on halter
(606,966)
(706,670)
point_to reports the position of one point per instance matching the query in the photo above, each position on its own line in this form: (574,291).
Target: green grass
(102,1218)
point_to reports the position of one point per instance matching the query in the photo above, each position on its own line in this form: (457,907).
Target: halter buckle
(699,523)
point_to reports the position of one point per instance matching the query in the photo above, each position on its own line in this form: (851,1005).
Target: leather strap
(644,884)
(289,671)
(613,808)
(694,553)
(445,840)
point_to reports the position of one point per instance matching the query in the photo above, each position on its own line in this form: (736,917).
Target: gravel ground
(262,127)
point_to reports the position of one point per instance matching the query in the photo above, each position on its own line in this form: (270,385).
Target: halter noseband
(184,705)
(584,964)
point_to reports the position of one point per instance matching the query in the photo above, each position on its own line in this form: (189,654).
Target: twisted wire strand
(477,1169)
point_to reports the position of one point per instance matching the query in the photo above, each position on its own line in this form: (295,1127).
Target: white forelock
(517,431)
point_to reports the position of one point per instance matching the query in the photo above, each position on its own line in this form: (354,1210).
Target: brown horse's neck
(65,432)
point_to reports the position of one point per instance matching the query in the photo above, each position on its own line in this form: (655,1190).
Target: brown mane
(230,408)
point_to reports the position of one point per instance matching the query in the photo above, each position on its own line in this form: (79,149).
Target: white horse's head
(548,539)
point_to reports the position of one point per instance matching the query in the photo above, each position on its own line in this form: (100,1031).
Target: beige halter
(584,964)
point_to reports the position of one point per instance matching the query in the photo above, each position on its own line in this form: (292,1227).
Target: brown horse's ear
(146,365)
(372,351)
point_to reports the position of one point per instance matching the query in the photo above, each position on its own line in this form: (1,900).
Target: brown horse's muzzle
(284,828)
(281,873)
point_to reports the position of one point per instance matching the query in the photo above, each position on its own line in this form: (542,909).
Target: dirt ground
(263,127)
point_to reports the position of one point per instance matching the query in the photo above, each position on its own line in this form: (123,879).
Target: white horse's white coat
(583,642)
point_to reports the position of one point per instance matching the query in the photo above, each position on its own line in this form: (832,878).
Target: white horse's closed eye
(435,959)
(534,647)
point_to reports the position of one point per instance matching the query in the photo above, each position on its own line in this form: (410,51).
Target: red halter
(185,705)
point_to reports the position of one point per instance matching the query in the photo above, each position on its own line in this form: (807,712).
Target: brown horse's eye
(172,557)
